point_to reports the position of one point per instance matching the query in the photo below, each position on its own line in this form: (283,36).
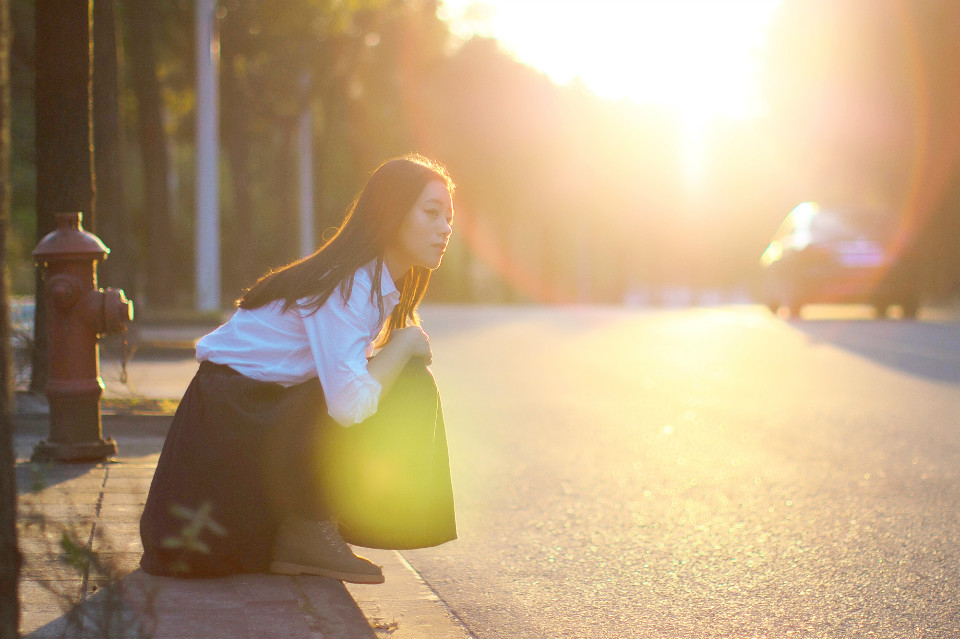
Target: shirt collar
(387,288)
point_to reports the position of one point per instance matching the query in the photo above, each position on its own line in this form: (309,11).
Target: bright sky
(696,56)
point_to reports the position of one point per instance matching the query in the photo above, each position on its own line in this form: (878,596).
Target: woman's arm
(404,344)
(339,333)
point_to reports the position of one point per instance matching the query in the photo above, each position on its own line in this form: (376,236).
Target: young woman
(313,418)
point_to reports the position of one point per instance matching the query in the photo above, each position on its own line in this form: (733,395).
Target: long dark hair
(372,221)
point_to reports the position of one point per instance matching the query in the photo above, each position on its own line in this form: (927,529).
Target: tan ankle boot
(307,547)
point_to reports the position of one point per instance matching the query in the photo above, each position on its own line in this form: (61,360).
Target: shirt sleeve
(339,334)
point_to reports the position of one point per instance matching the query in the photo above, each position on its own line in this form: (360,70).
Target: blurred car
(821,255)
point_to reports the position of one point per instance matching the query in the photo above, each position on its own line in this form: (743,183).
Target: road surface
(699,473)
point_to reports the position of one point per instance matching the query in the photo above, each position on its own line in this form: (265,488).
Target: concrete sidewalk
(79,533)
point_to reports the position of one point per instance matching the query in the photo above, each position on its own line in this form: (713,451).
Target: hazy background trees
(563,196)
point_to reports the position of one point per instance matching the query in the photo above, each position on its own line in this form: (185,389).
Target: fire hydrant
(78,314)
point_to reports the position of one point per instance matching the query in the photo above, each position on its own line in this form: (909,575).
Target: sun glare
(688,54)
(695,57)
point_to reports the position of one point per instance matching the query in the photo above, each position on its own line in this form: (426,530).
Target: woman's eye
(432,212)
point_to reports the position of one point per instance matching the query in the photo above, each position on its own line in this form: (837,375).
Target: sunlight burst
(696,56)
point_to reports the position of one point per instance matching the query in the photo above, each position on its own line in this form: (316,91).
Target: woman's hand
(415,341)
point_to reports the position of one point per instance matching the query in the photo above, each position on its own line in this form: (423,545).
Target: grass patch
(139,406)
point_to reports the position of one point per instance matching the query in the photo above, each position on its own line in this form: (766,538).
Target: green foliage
(189,539)
(562,195)
(76,554)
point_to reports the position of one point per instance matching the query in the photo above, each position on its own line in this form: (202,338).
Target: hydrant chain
(123,354)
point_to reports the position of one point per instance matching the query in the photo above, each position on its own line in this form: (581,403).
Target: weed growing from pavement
(379,625)
(106,611)
(104,604)
(139,405)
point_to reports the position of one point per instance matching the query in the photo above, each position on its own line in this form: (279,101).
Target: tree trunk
(111,216)
(236,144)
(65,179)
(9,553)
(160,249)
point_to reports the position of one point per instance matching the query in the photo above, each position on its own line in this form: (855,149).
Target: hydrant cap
(69,241)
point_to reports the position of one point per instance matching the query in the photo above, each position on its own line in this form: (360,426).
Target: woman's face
(424,233)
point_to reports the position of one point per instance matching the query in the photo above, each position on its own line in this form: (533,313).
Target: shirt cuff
(359,397)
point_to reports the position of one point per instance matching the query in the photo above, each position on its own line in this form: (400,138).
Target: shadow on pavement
(237,607)
(921,349)
(34,477)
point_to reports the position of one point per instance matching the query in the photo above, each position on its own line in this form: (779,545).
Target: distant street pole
(305,146)
(207,230)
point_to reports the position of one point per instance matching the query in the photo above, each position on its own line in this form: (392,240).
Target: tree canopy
(562,195)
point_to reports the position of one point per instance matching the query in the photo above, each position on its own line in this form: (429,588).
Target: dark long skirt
(242,454)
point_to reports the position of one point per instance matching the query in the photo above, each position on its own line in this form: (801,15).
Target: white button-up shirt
(332,343)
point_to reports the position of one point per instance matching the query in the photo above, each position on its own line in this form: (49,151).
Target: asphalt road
(699,473)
